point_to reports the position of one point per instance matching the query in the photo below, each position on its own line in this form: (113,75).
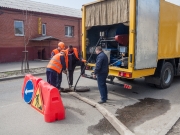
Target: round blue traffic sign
(28,91)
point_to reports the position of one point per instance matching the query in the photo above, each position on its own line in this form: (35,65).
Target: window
(44,29)
(19,28)
(69,31)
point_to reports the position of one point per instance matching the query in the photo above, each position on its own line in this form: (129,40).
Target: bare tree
(27,36)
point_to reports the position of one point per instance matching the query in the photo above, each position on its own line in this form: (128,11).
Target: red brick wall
(11,46)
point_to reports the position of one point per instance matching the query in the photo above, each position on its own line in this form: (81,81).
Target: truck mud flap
(126,86)
(152,80)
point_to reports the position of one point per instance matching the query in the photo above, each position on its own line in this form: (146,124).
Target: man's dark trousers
(71,72)
(101,80)
(59,80)
(52,78)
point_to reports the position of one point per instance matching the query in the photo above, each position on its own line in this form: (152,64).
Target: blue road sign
(28,91)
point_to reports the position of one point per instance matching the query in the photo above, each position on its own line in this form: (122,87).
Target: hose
(118,61)
(87,63)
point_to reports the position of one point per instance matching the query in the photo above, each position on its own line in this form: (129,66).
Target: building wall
(11,46)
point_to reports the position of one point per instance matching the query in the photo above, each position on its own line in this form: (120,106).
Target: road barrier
(29,85)
(45,98)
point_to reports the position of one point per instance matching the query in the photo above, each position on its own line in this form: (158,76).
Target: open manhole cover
(82,89)
(78,89)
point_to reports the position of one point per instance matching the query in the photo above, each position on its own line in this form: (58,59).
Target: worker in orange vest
(56,66)
(61,46)
(73,60)
(54,76)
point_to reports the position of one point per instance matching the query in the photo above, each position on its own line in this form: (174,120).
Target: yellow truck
(140,37)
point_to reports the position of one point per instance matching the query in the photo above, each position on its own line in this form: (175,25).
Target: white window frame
(69,28)
(22,28)
(44,34)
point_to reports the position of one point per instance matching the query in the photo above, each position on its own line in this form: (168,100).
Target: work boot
(70,86)
(83,75)
(101,102)
(61,88)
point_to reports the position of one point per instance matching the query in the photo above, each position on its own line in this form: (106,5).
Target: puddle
(102,128)
(145,110)
(75,110)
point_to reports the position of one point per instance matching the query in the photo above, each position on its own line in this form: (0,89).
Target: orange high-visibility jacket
(55,51)
(55,63)
(76,54)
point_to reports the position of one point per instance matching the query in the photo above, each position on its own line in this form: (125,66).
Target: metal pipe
(87,63)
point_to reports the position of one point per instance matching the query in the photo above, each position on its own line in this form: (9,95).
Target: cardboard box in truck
(141,38)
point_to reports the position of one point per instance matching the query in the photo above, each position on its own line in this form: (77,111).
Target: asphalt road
(144,110)
(18,118)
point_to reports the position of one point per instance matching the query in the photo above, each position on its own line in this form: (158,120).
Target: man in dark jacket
(101,71)
(73,60)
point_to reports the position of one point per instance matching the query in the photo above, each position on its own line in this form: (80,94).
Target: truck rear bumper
(127,73)
(126,86)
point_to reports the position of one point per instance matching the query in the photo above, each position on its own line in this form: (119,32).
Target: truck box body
(152,27)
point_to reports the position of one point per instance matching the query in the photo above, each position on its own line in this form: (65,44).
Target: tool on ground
(67,76)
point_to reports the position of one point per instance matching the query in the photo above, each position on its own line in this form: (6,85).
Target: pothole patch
(147,109)
(104,127)
(132,116)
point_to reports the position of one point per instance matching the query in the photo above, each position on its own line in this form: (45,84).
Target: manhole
(82,89)
(78,89)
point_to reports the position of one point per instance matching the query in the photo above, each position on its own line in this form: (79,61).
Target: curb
(171,123)
(22,76)
(20,70)
(121,128)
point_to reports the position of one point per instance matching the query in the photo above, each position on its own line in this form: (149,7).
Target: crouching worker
(73,60)
(55,67)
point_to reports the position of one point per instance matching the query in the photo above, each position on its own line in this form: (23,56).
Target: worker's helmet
(61,45)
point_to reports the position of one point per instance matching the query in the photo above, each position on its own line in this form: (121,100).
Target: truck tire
(167,75)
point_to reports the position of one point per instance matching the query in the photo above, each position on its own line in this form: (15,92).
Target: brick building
(37,28)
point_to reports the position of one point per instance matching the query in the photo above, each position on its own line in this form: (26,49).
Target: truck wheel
(167,75)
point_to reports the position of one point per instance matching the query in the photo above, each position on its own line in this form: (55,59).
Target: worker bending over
(61,47)
(55,68)
(73,60)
